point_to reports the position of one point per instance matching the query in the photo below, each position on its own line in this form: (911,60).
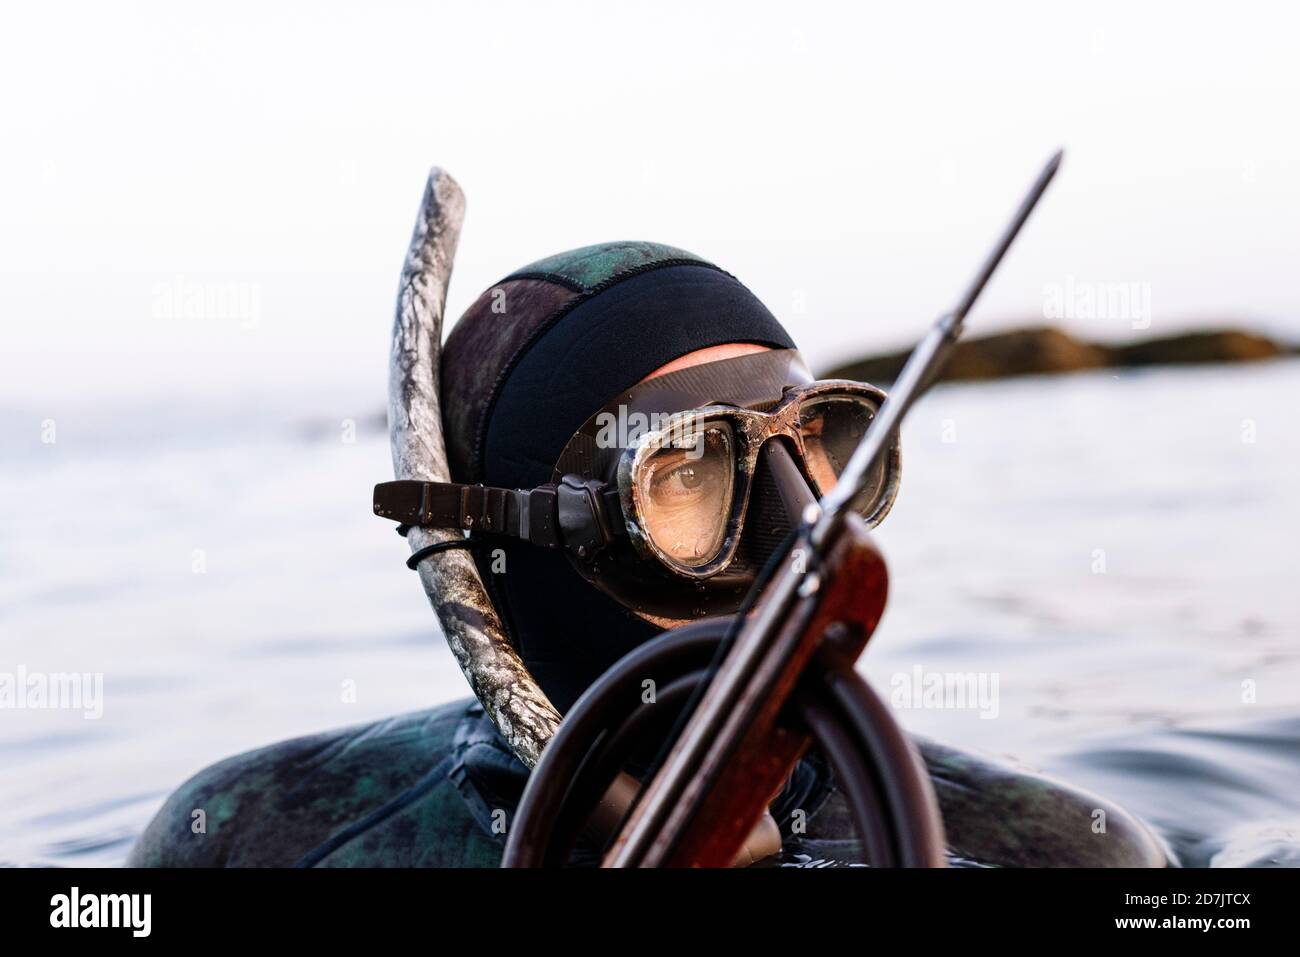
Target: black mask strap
(579,514)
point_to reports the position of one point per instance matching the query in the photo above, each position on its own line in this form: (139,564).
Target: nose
(794,491)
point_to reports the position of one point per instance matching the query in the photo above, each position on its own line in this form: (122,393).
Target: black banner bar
(936,908)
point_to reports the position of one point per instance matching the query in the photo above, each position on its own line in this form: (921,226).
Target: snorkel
(502,683)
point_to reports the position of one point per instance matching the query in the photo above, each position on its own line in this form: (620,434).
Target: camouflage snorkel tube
(500,680)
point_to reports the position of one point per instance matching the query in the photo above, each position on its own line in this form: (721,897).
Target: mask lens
(685,494)
(832,427)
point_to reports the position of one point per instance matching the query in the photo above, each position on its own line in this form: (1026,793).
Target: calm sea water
(1118,551)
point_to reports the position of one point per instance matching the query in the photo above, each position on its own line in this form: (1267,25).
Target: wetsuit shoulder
(373,795)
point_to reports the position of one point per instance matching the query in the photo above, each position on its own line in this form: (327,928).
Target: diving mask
(672,496)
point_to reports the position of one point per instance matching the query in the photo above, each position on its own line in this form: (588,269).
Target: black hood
(559,356)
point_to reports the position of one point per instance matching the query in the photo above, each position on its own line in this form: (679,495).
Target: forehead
(729,350)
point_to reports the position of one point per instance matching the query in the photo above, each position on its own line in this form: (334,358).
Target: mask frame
(750,430)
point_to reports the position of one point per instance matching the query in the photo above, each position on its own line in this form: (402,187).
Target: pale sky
(850,163)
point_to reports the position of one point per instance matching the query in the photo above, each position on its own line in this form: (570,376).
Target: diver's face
(703,469)
(682,450)
(686,490)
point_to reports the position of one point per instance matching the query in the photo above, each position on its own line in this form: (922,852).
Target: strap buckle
(580,507)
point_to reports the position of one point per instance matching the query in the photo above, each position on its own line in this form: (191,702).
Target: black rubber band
(427,550)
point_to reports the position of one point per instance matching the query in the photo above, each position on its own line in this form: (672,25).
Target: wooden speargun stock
(821,606)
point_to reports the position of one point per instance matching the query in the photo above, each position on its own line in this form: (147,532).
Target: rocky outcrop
(1045,350)
(1220,345)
